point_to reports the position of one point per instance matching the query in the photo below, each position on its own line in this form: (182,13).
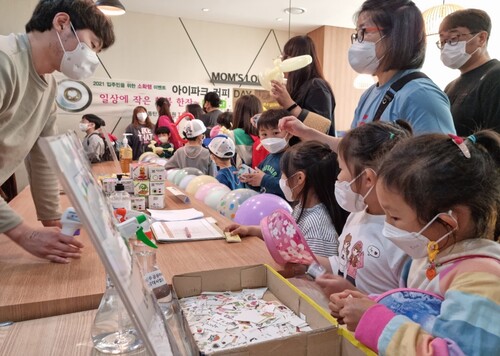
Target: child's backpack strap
(395,87)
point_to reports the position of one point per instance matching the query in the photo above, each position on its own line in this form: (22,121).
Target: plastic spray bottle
(125,154)
(70,222)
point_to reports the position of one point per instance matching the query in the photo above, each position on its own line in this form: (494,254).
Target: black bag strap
(395,87)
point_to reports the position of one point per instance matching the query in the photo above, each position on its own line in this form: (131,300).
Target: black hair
(96,120)
(402,24)
(83,14)
(164,106)
(270,118)
(162,130)
(432,175)
(213,98)
(244,109)
(225,119)
(366,146)
(320,166)
(194,109)
(474,19)
(298,46)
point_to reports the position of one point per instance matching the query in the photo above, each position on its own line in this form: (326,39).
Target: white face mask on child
(163,139)
(413,243)
(83,126)
(348,199)
(287,191)
(274,144)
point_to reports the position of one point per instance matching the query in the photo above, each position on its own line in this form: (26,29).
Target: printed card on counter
(176,215)
(178,194)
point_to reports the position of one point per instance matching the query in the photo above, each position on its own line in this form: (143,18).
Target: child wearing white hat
(222,150)
(193,154)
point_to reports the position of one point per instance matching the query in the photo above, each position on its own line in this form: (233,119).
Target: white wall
(156,48)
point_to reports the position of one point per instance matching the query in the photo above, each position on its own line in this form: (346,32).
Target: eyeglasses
(359,35)
(453,40)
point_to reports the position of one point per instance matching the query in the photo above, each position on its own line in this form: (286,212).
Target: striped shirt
(318,229)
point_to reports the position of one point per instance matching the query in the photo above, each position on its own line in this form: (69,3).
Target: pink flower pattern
(285,240)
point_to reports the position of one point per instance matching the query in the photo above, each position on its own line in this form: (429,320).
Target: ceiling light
(279,19)
(295,10)
(205,9)
(110,7)
(435,15)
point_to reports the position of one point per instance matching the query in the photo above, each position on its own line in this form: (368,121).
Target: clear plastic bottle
(180,336)
(146,258)
(113,332)
(120,198)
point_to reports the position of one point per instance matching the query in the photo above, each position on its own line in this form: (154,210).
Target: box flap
(187,285)
(254,277)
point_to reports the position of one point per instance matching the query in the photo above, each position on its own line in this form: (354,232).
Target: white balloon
(280,67)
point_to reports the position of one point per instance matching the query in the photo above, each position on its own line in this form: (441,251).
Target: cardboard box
(128,184)
(157,188)
(138,203)
(156,201)
(141,187)
(139,171)
(108,185)
(157,172)
(324,339)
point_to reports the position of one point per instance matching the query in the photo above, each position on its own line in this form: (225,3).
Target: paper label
(155,279)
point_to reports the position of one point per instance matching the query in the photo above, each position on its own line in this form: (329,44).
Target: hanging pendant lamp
(435,15)
(111,7)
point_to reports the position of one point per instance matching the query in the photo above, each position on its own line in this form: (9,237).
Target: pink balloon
(254,209)
(203,190)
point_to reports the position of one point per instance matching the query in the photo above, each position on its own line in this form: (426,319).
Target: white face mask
(163,139)
(141,116)
(413,243)
(363,57)
(347,198)
(287,191)
(80,63)
(83,126)
(456,56)
(274,144)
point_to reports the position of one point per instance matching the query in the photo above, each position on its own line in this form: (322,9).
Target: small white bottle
(120,198)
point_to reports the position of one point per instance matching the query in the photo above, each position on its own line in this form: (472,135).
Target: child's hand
(158,150)
(293,269)
(254,178)
(349,306)
(331,283)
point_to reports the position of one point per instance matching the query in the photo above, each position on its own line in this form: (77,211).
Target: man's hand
(50,223)
(46,242)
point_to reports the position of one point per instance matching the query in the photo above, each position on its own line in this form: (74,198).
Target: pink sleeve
(372,324)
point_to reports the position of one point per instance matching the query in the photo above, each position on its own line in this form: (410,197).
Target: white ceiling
(263,13)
